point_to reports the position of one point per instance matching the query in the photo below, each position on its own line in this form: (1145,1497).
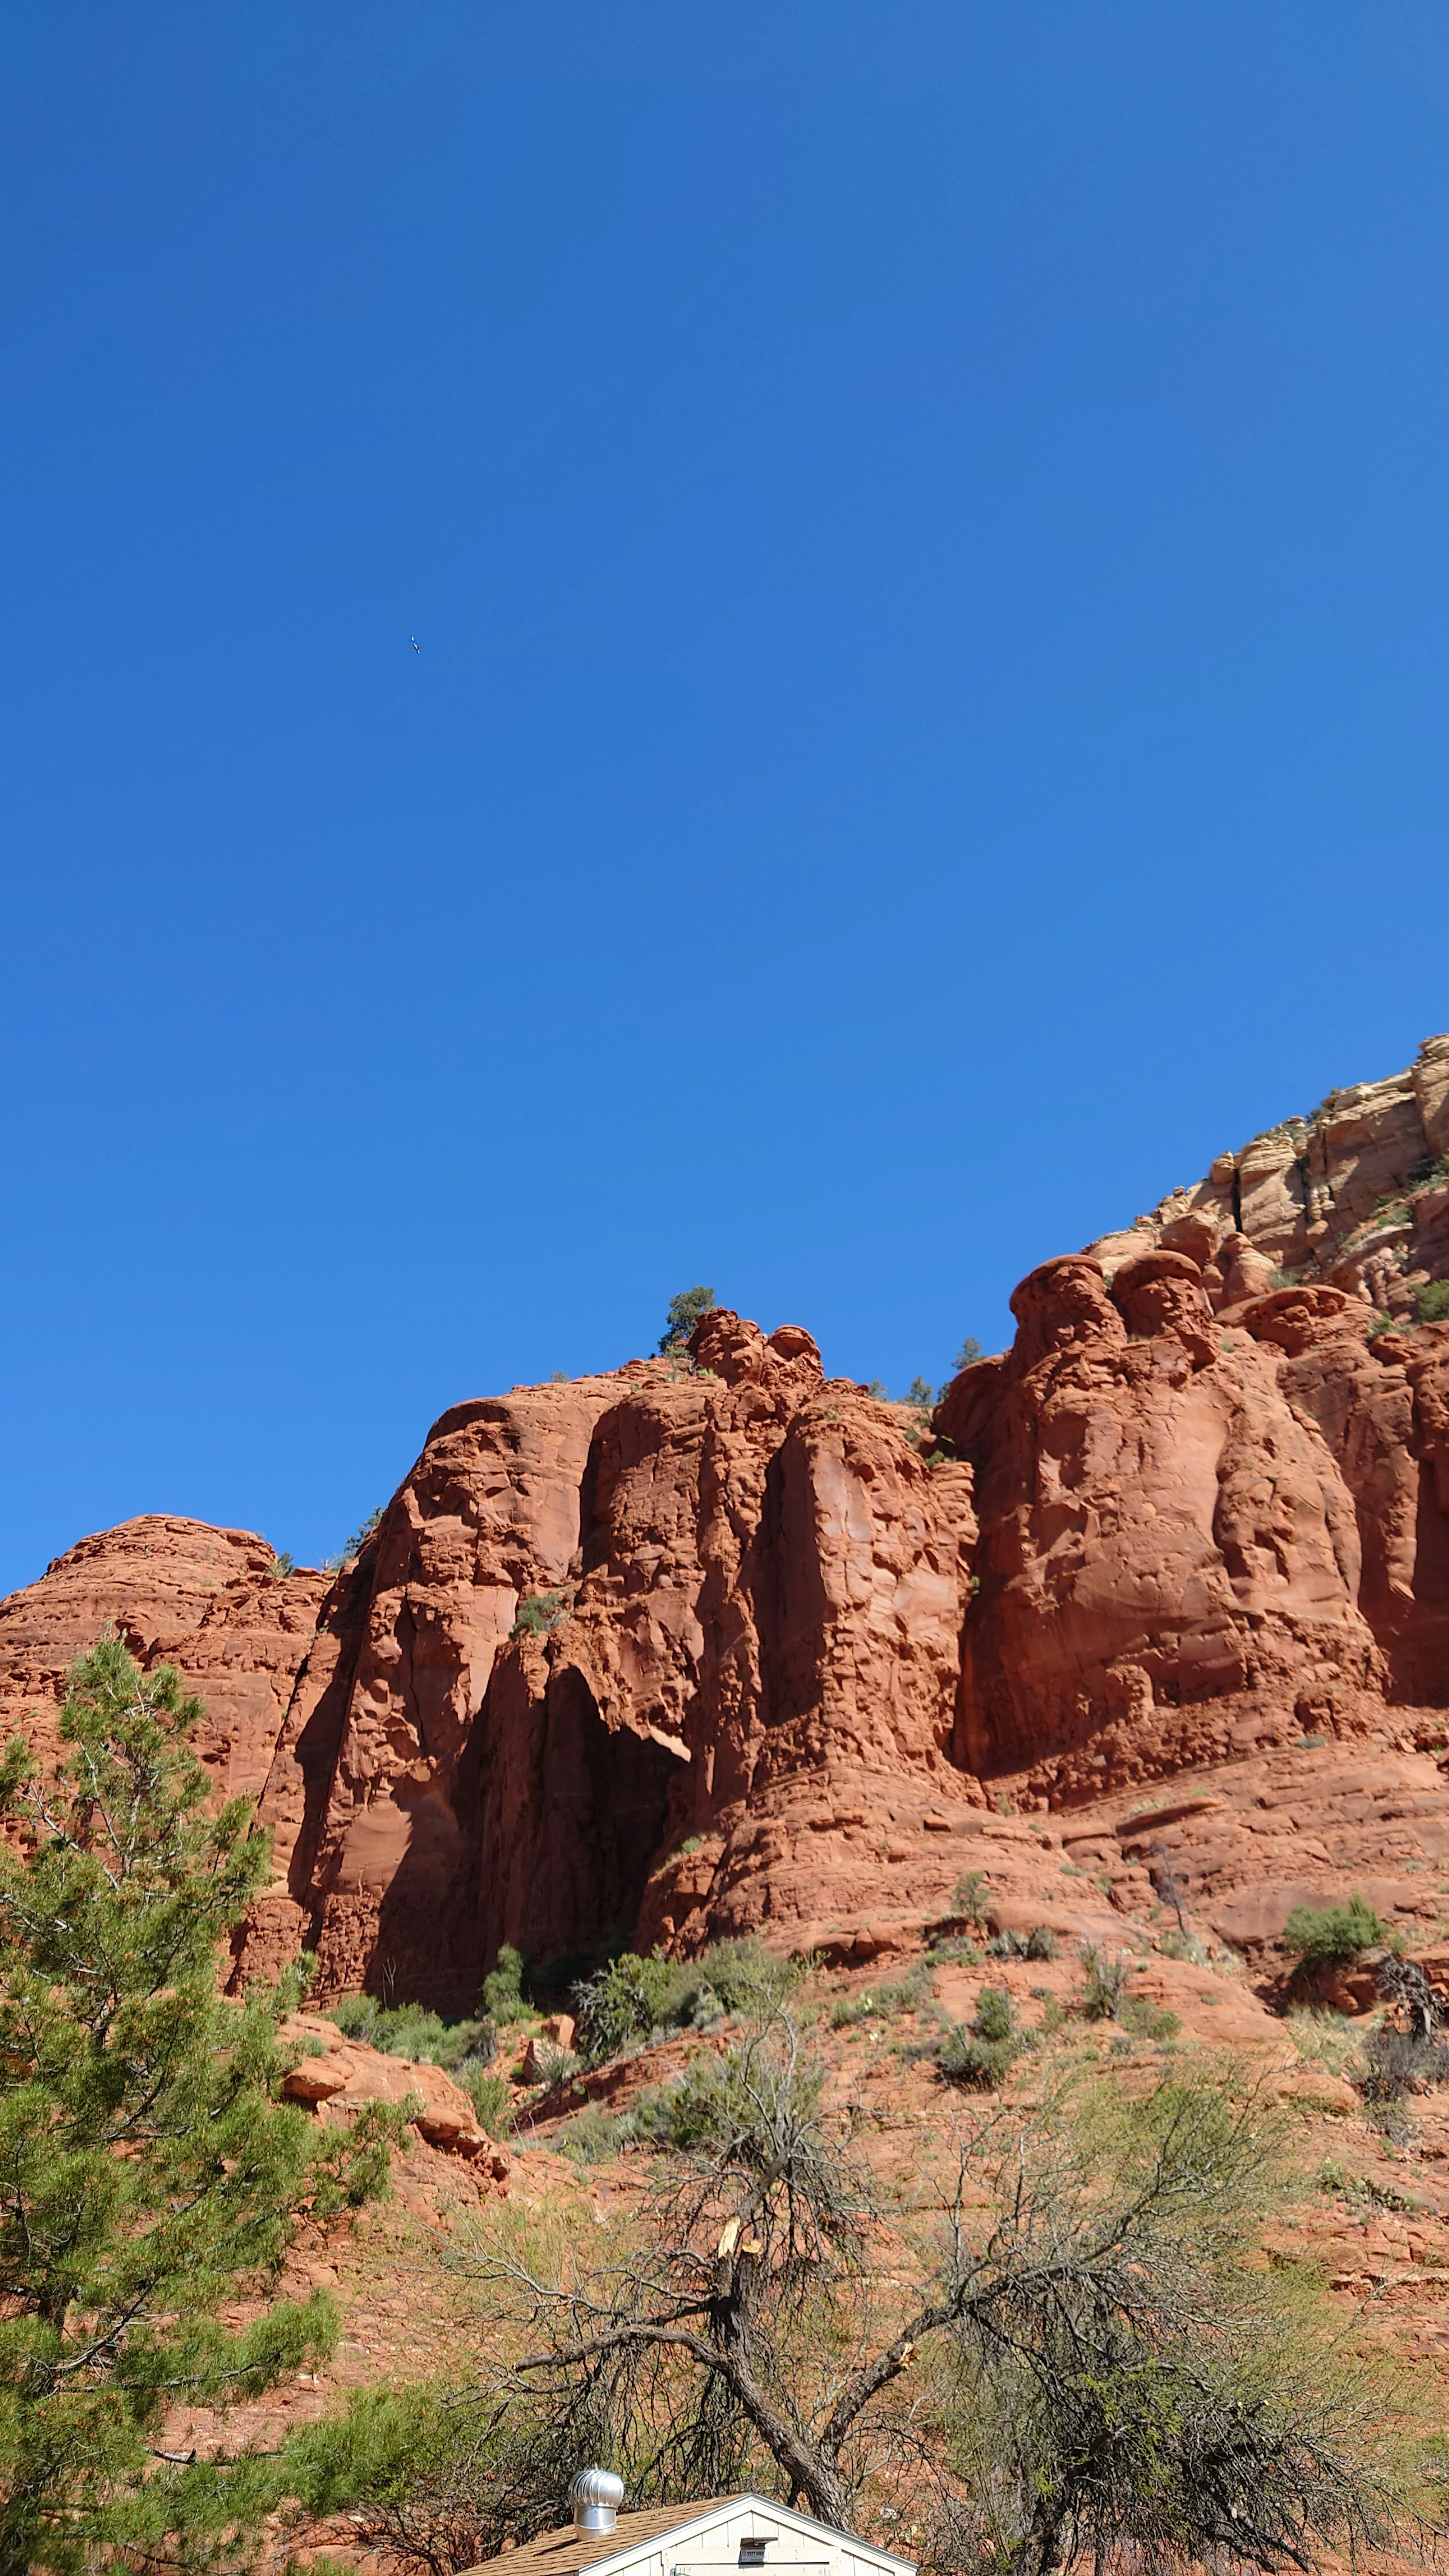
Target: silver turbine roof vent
(596,2495)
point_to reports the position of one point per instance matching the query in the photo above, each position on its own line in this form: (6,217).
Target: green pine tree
(685,1311)
(148,2169)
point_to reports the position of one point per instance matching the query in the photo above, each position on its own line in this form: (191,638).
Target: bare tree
(1078,2361)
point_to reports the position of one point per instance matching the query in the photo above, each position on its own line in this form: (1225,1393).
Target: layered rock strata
(1355,1193)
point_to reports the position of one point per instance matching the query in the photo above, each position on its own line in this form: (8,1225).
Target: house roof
(567,2552)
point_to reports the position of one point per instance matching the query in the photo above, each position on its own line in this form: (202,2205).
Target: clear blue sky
(930,533)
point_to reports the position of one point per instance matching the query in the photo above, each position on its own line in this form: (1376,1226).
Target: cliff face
(602,1636)
(716,1644)
(1355,1194)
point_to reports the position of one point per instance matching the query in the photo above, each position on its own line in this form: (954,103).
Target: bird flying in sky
(417,647)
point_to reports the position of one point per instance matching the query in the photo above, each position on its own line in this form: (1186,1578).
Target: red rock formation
(1161,1533)
(746,1588)
(715,1644)
(1356,1194)
(178,1592)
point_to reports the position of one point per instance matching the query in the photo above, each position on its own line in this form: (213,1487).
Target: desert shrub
(282,1565)
(993,2014)
(539,1616)
(503,1997)
(1432,1301)
(685,1311)
(1183,1945)
(921,1392)
(970,1352)
(747,1977)
(1397,2063)
(983,2056)
(1148,2021)
(884,2003)
(491,2100)
(553,2066)
(952,1947)
(968,1895)
(1039,1943)
(632,1998)
(1332,1936)
(1106,1974)
(352,1548)
(593,2135)
(1325,2039)
(410,2030)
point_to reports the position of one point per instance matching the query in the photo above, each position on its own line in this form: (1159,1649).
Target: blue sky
(929,531)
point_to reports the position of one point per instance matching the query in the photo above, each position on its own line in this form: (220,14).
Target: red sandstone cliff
(782,1648)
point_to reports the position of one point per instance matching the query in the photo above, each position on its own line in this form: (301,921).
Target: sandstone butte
(716,1644)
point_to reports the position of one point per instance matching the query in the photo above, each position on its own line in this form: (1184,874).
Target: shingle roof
(563,2553)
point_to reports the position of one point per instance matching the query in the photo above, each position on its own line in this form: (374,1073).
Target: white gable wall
(710,2545)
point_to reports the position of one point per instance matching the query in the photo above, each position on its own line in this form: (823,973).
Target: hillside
(1145,1627)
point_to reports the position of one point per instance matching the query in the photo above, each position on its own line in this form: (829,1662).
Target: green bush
(281,1566)
(1148,2021)
(993,2014)
(632,1999)
(491,2100)
(921,1392)
(981,2058)
(410,2030)
(746,1976)
(540,1616)
(1432,1301)
(1332,1936)
(503,1996)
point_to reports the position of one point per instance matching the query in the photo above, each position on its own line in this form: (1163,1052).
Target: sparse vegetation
(922,1393)
(1432,1301)
(1397,2063)
(885,2002)
(281,1566)
(353,1547)
(969,1896)
(1106,1975)
(1084,2367)
(970,1352)
(1039,1943)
